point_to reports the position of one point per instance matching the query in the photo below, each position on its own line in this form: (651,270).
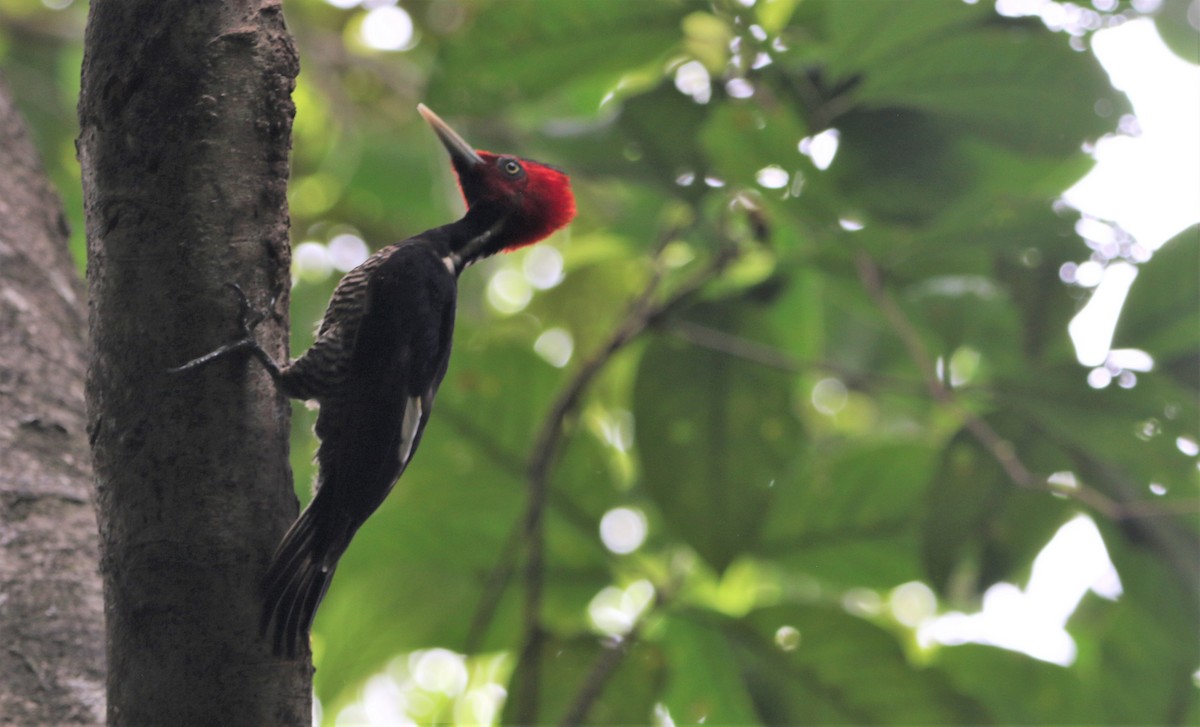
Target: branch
(643,312)
(997,446)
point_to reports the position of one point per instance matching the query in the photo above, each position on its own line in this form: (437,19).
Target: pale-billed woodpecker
(380,353)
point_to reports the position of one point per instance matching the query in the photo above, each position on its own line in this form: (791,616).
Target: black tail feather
(299,576)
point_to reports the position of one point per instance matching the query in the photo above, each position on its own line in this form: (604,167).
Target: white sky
(1149,185)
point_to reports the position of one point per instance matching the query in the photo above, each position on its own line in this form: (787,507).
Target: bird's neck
(480,233)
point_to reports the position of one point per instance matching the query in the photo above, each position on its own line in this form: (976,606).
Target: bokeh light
(555,346)
(787,638)
(829,396)
(821,148)
(543,267)
(623,530)
(772,177)
(615,611)
(347,251)
(912,603)
(692,79)
(310,262)
(439,670)
(387,28)
(509,292)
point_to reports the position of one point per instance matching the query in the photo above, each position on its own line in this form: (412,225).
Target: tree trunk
(51,611)
(185,126)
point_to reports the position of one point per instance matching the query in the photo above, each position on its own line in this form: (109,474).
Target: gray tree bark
(51,611)
(185,126)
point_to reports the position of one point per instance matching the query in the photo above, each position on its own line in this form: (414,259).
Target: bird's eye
(511,167)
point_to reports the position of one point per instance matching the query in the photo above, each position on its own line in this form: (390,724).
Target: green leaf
(664,127)
(1178,25)
(742,139)
(570,305)
(1121,683)
(1014,688)
(1030,274)
(797,314)
(704,684)
(1007,81)
(820,665)
(954,311)
(900,164)
(515,51)
(484,370)
(1160,314)
(948,102)
(714,433)
(1133,431)
(893,30)
(845,518)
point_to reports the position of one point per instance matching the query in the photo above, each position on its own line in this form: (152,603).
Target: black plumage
(380,354)
(374,370)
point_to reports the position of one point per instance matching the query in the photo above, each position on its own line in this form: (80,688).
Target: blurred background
(915,436)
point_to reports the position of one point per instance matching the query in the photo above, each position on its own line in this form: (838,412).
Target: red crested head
(535,199)
(538,194)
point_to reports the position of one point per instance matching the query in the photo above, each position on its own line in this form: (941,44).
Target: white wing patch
(408,428)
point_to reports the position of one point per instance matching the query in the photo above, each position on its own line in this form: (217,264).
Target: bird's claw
(248,323)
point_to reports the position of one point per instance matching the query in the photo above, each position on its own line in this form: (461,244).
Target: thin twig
(606,662)
(643,312)
(723,342)
(1166,508)
(482,439)
(603,666)
(997,446)
(1000,449)
(498,578)
(493,589)
(760,353)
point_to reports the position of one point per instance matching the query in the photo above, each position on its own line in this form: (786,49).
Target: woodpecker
(379,356)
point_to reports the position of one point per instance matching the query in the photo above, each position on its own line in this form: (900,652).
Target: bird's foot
(248,320)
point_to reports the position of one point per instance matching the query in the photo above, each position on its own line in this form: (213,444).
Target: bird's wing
(347,295)
(398,360)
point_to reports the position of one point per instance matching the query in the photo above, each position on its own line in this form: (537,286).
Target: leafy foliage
(871,387)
